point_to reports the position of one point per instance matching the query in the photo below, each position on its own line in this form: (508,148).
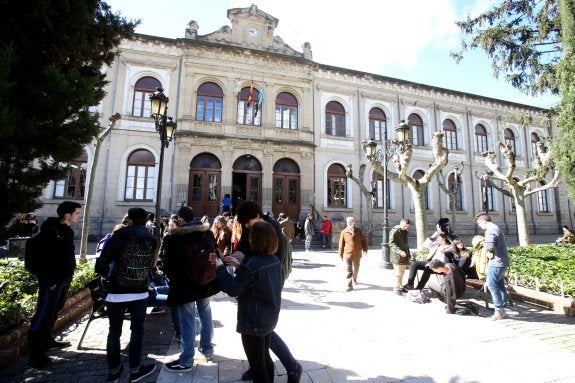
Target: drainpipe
(173,159)
(108,141)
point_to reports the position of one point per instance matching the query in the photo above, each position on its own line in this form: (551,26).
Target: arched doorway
(286,192)
(204,185)
(246,180)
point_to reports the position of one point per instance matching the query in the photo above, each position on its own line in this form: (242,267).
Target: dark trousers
(414,268)
(137,310)
(257,349)
(50,302)
(281,350)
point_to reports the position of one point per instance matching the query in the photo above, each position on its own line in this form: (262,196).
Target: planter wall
(15,343)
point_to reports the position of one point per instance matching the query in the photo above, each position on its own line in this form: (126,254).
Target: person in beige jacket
(352,244)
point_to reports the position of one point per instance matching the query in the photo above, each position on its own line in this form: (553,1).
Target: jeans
(160,300)
(137,310)
(308,239)
(258,354)
(281,350)
(188,328)
(50,302)
(496,284)
(324,240)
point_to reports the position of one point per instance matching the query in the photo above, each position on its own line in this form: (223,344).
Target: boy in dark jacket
(453,285)
(55,271)
(126,262)
(257,284)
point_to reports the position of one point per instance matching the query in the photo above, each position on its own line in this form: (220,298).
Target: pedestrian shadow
(298,265)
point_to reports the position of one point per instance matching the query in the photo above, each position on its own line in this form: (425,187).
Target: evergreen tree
(52,55)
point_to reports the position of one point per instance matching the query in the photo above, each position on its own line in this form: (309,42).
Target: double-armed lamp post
(166,127)
(381,155)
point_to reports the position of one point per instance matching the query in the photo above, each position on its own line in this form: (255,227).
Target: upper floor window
(454,185)
(335,119)
(377,124)
(543,200)
(534,141)
(144,88)
(481,138)
(336,186)
(248,113)
(74,185)
(210,102)
(140,177)
(286,111)
(450,135)
(417,175)
(416,137)
(509,138)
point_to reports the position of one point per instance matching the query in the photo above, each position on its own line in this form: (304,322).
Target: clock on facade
(252,32)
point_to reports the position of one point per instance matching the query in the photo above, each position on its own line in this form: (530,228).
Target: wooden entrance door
(286,191)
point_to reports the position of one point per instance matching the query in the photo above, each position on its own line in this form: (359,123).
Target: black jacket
(59,260)
(453,286)
(182,289)
(127,259)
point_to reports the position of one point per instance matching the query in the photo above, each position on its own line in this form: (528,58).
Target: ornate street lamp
(387,150)
(166,127)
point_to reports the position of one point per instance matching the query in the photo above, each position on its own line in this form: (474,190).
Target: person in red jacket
(324,232)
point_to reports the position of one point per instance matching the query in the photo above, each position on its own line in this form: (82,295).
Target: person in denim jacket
(257,284)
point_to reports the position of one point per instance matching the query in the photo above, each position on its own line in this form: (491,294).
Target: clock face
(252,32)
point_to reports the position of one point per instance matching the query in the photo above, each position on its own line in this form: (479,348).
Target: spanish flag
(251,96)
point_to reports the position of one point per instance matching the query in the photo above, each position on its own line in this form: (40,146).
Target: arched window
(378,189)
(543,200)
(450,135)
(509,138)
(336,186)
(140,176)
(416,137)
(377,124)
(481,138)
(74,185)
(534,140)
(454,185)
(286,111)
(248,109)
(144,88)
(210,102)
(417,175)
(335,119)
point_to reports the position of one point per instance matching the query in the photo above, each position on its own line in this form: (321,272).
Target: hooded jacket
(398,241)
(58,262)
(173,250)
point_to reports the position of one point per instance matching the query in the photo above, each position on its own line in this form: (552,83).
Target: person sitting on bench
(437,249)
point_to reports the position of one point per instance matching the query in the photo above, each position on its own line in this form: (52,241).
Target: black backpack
(197,258)
(35,246)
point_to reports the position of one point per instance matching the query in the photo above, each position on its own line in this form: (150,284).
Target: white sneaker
(498,314)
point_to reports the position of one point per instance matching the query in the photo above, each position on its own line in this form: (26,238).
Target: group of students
(245,258)
(449,257)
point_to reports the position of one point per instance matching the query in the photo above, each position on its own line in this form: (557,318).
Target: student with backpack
(185,251)
(132,251)
(50,255)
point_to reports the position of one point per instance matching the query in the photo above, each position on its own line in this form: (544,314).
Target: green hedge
(550,264)
(19,292)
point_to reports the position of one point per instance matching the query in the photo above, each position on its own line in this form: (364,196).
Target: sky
(407,39)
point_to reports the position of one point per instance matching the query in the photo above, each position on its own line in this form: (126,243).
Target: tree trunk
(522,226)
(420,214)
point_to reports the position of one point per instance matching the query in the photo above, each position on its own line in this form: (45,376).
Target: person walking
(399,254)
(498,263)
(184,294)
(309,232)
(324,232)
(55,259)
(352,244)
(125,264)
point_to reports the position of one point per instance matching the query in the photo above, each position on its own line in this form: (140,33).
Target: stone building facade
(291,155)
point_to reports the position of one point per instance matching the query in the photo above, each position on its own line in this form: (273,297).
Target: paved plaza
(366,335)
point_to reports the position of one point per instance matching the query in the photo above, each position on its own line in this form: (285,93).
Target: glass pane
(292,186)
(200,109)
(129,193)
(293,112)
(278,117)
(241,111)
(278,190)
(213,188)
(147,105)
(254,189)
(59,188)
(137,112)
(131,171)
(286,116)
(209,109)
(197,188)
(219,108)
(328,123)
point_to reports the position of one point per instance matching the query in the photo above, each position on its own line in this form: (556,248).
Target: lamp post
(387,150)
(165,126)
